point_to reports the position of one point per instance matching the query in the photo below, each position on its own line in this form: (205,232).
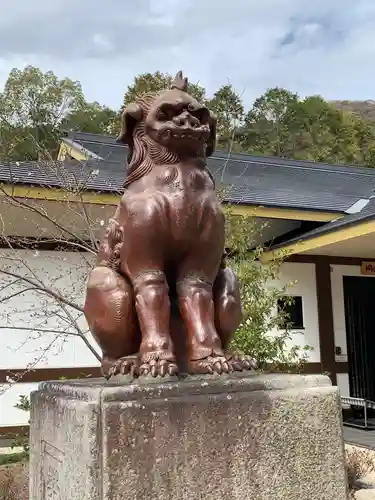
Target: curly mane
(139,162)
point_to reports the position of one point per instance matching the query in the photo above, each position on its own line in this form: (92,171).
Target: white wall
(305,286)
(343,384)
(23,318)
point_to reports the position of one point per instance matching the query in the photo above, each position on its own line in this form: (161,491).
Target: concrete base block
(234,437)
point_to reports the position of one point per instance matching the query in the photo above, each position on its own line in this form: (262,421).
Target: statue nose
(186,120)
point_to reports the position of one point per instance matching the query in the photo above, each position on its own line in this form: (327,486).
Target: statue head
(168,125)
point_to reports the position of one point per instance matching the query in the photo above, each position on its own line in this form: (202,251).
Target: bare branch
(40,288)
(41,330)
(20,292)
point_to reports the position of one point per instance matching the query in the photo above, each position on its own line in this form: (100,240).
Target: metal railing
(360,403)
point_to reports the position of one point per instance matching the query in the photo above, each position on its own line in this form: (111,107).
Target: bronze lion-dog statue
(161,300)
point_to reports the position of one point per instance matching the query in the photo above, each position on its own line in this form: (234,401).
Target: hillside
(366,109)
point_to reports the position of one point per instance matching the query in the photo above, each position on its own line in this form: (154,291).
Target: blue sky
(324,47)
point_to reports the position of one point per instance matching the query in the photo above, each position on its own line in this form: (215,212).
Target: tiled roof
(249,179)
(67,175)
(366,214)
(260,180)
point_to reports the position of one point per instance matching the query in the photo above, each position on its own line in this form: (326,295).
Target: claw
(225,367)
(145,369)
(218,367)
(122,366)
(154,370)
(237,367)
(158,367)
(163,367)
(240,362)
(125,367)
(172,370)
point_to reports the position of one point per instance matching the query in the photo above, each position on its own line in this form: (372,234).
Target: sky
(321,47)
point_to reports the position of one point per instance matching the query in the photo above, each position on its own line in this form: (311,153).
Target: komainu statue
(161,300)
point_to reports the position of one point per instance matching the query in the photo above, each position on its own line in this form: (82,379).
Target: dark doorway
(359,299)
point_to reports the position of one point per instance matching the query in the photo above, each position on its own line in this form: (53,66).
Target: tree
(269,123)
(281,124)
(265,331)
(155,82)
(327,134)
(91,117)
(229,109)
(36,103)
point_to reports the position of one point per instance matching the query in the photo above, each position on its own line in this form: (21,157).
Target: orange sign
(368,268)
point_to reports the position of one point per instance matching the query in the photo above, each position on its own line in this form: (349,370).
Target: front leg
(153,309)
(142,259)
(205,352)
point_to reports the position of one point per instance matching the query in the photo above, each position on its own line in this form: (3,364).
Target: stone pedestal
(235,437)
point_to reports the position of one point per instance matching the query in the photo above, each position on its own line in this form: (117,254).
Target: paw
(128,365)
(210,365)
(240,361)
(158,367)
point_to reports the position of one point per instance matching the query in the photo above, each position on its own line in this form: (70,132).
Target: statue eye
(162,115)
(202,114)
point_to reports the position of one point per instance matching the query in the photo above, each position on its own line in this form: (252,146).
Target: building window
(294,311)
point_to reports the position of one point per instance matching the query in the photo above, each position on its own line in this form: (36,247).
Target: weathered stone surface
(263,437)
(364,495)
(366,482)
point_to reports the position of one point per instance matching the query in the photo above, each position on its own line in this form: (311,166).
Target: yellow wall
(68,150)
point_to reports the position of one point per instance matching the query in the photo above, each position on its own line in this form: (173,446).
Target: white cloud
(102,42)
(309,47)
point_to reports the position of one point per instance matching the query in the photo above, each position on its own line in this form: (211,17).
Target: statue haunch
(160,300)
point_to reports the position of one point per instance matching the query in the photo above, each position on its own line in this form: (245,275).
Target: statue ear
(211,143)
(131,115)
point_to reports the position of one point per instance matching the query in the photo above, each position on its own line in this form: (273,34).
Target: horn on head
(180,82)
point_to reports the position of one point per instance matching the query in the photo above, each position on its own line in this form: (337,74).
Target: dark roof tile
(248,179)
(264,180)
(366,214)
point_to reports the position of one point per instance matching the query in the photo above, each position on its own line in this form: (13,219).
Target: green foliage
(32,105)
(11,458)
(229,110)
(269,122)
(265,332)
(23,403)
(36,106)
(281,124)
(92,117)
(21,441)
(226,103)
(155,82)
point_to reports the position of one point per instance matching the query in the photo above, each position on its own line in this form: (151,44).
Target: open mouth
(190,134)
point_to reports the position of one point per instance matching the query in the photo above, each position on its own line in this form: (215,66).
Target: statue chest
(170,210)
